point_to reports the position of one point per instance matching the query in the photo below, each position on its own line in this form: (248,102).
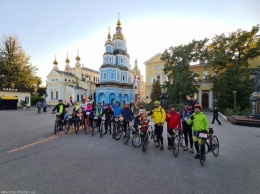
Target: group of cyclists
(190,119)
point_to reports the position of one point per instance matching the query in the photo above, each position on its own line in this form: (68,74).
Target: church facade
(117,79)
(77,82)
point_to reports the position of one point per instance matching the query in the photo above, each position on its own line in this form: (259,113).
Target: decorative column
(200,97)
(211,99)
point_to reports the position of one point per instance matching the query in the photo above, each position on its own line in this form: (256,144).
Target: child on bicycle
(89,114)
(199,123)
(173,123)
(144,127)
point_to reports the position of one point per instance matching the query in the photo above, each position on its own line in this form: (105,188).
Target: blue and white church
(116,79)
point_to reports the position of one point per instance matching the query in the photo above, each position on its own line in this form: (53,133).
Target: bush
(23,103)
(230,111)
(36,99)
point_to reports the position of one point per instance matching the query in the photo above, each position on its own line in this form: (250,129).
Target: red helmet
(197,106)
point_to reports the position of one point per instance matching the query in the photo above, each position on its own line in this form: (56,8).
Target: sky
(46,28)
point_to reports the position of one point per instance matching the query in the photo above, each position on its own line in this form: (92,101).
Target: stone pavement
(33,159)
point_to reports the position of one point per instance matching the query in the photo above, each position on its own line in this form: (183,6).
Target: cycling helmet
(156,102)
(197,106)
(127,103)
(141,102)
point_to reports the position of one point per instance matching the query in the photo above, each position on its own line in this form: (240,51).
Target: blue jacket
(117,110)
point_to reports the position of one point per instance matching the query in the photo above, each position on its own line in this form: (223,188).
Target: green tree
(156,91)
(41,91)
(15,68)
(177,62)
(229,56)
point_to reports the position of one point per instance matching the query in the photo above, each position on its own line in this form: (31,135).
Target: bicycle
(212,145)
(126,137)
(118,128)
(137,138)
(67,122)
(76,122)
(57,124)
(103,120)
(96,124)
(146,137)
(152,131)
(87,123)
(177,141)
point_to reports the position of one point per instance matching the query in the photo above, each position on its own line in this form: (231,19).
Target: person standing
(127,114)
(39,106)
(173,123)
(199,123)
(158,114)
(141,110)
(108,114)
(44,105)
(187,131)
(215,115)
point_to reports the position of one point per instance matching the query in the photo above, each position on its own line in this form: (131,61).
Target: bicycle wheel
(175,145)
(95,125)
(202,153)
(101,129)
(154,137)
(118,132)
(215,145)
(56,125)
(76,125)
(126,137)
(181,139)
(67,126)
(136,140)
(145,143)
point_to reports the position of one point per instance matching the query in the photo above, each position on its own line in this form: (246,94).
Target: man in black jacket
(215,115)
(61,108)
(127,113)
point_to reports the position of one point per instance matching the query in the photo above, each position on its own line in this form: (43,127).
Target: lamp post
(235,92)
(180,97)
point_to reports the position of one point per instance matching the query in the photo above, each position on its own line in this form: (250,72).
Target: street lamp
(180,97)
(234,92)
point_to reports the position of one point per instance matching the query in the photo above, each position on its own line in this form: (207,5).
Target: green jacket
(199,123)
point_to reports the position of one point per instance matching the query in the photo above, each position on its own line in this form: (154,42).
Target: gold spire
(67,60)
(118,22)
(135,61)
(78,58)
(109,36)
(55,62)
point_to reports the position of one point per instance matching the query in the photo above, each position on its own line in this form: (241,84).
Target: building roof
(156,55)
(114,66)
(76,87)
(65,73)
(88,69)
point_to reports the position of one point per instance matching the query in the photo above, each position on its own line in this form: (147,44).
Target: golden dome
(55,62)
(118,23)
(78,58)
(119,36)
(67,60)
(109,42)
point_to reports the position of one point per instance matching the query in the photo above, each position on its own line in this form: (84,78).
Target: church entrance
(205,100)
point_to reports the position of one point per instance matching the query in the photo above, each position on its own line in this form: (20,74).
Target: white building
(77,82)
